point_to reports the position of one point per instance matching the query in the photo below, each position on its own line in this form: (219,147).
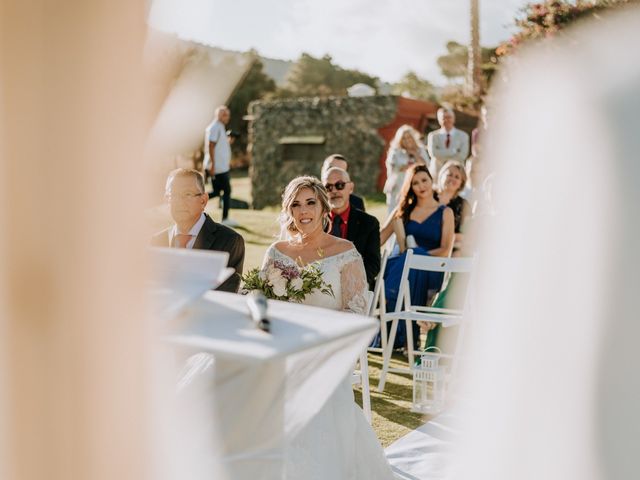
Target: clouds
(385,38)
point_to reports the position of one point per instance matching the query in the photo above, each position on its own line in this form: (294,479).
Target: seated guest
(337,160)
(362,229)
(195,229)
(431,226)
(451,181)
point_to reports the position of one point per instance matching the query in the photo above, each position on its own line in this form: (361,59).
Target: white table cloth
(243,392)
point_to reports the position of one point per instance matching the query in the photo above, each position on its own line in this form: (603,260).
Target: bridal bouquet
(286,282)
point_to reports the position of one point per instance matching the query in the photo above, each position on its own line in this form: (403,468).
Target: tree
(453,65)
(474,75)
(312,76)
(254,86)
(415,86)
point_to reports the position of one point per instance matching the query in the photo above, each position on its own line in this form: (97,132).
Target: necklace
(299,244)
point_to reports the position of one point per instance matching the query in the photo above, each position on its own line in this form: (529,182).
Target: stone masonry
(291,137)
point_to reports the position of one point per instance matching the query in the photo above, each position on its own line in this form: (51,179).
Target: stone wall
(313,128)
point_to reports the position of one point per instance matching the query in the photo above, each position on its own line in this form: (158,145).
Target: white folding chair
(379,302)
(361,376)
(405,310)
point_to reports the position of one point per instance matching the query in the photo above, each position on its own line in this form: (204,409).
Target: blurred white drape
(553,388)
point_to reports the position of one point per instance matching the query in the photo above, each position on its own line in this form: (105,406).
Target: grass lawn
(392,417)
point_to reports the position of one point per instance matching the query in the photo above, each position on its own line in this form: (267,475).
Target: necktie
(336,229)
(181,240)
(447,141)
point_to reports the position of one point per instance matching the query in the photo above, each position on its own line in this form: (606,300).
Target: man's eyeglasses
(183,196)
(338,186)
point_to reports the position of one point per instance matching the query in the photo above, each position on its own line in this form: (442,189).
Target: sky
(384,38)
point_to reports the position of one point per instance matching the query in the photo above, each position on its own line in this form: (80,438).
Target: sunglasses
(338,186)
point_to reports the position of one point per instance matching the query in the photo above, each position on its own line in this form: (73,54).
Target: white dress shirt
(195,230)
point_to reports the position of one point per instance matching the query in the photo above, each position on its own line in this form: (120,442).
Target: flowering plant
(548,18)
(286,282)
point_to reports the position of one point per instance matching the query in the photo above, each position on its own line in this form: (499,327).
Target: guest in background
(217,161)
(362,229)
(451,181)
(195,229)
(339,161)
(405,150)
(447,143)
(431,225)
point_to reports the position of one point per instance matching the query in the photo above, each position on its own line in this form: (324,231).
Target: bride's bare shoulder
(338,246)
(281,246)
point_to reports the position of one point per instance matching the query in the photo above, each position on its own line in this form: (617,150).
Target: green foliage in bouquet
(280,281)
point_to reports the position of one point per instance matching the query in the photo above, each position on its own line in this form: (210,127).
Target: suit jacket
(356,201)
(436,144)
(214,236)
(363,230)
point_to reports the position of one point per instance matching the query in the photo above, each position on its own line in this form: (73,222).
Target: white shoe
(229,222)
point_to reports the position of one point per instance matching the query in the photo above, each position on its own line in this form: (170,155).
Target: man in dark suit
(362,229)
(195,229)
(337,160)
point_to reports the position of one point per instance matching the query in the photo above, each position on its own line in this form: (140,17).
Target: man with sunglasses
(193,228)
(337,160)
(362,229)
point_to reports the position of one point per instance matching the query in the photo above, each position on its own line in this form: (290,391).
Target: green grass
(391,410)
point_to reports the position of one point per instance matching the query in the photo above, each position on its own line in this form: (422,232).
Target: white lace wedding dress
(338,443)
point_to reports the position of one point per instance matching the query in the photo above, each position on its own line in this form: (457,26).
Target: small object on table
(257,303)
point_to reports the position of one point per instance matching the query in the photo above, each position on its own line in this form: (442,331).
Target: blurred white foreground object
(181,275)
(557,315)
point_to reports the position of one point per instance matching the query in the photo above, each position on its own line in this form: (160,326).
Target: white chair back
(378,288)
(428,264)
(361,376)
(405,310)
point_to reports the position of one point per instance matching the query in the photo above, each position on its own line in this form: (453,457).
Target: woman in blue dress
(429,226)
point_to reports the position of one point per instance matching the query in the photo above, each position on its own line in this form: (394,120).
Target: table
(243,392)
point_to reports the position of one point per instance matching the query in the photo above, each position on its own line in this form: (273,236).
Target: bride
(338,443)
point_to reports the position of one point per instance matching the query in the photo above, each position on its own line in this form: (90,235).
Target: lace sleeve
(354,284)
(269,258)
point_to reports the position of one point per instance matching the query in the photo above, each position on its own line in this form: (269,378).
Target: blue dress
(428,235)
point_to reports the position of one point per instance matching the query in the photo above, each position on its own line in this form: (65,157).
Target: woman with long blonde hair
(338,438)
(405,149)
(451,181)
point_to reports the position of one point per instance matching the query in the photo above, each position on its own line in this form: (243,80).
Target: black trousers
(221,183)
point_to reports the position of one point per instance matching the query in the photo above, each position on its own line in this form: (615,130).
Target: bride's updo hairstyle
(291,191)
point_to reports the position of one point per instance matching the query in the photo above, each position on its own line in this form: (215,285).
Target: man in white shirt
(217,159)
(195,229)
(447,143)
